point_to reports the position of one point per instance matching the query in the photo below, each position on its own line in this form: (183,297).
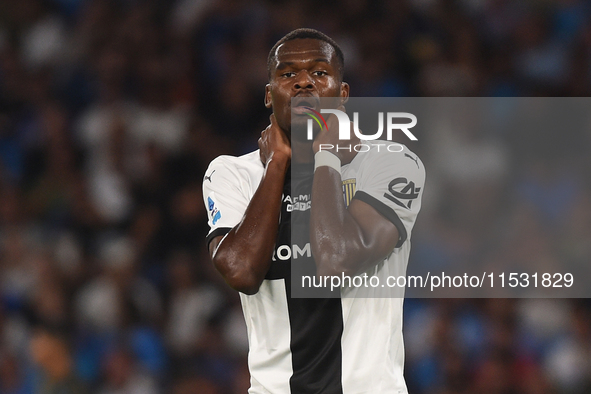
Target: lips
(303,104)
(306,103)
(300,109)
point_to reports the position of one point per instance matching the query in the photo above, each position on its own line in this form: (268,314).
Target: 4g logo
(345,129)
(409,192)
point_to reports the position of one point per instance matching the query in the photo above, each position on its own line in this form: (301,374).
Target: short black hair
(308,33)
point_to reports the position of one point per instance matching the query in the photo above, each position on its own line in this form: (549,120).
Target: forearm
(336,239)
(244,256)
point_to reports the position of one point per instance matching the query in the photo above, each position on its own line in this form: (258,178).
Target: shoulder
(387,156)
(245,166)
(249,161)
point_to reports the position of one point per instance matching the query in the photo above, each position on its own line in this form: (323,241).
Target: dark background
(110,112)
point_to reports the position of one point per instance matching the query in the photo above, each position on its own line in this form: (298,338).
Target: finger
(332,122)
(262,154)
(265,134)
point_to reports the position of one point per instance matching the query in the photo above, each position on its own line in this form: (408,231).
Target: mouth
(304,105)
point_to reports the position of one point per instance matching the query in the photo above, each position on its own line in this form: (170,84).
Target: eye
(320,73)
(288,74)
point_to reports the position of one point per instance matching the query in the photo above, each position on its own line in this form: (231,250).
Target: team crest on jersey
(214,212)
(349,188)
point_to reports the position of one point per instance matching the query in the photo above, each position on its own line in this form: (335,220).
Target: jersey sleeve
(224,196)
(392,183)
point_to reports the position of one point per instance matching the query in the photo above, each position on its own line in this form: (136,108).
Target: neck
(301,152)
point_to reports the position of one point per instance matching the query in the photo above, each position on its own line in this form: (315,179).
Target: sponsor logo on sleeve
(208,177)
(415,159)
(406,191)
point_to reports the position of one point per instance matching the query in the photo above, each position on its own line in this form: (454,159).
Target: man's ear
(268,101)
(344,92)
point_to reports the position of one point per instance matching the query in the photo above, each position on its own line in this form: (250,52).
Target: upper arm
(213,243)
(225,200)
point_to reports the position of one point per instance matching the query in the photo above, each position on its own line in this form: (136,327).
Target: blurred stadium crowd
(110,111)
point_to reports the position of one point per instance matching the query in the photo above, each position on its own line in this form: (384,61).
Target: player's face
(303,68)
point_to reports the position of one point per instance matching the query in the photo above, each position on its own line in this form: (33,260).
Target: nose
(303,81)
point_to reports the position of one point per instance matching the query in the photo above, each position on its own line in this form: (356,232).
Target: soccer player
(314,345)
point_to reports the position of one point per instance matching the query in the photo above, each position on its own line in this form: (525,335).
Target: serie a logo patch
(214,212)
(349,188)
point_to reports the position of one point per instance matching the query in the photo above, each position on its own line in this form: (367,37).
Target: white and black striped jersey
(348,345)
